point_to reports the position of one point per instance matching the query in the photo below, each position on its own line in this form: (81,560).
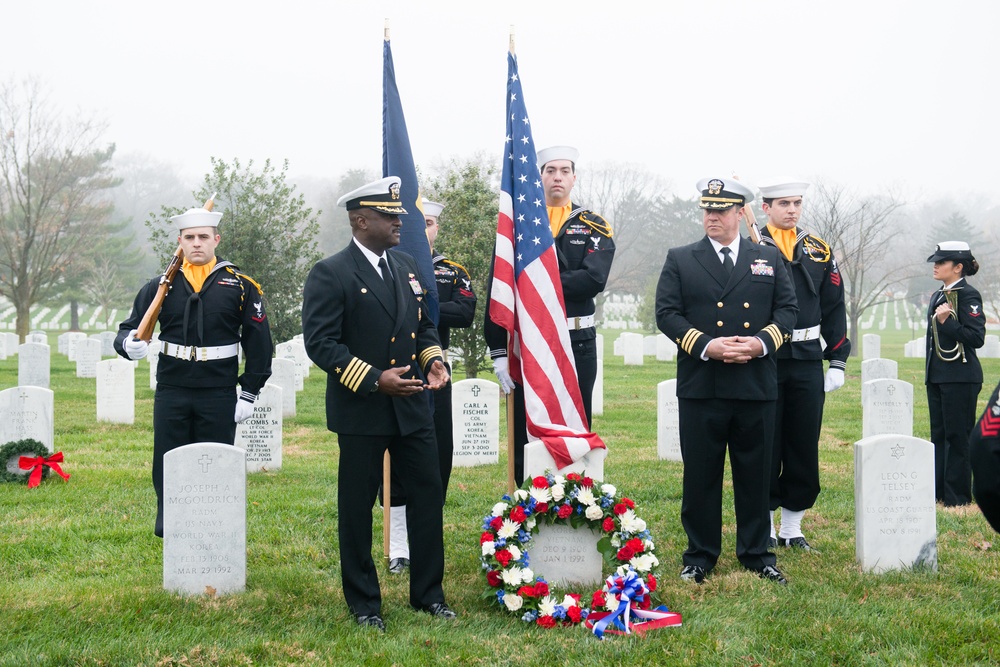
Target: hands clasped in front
(735,349)
(392,382)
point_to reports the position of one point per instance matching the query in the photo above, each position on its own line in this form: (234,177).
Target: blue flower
(500,596)
(551,479)
(606,501)
(505,498)
(500,542)
(559,612)
(584,613)
(530,617)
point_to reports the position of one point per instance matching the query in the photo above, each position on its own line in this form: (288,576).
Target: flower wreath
(573,500)
(13,450)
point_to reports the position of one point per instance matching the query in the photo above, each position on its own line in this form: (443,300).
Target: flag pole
(510,397)
(511,47)
(386,33)
(386,463)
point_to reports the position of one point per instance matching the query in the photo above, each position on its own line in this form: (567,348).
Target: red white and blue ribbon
(627,617)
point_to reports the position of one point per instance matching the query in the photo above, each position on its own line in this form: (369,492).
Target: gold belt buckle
(199,353)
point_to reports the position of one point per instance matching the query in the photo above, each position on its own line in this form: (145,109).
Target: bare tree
(52,175)
(860,230)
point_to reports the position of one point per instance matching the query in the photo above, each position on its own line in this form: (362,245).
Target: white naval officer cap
(723,193)
(382,195)
(198,217)
(782,187)
(954,250)
(551,153)
(432,209)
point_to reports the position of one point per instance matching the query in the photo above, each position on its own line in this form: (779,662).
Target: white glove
(503,375)
(834,380)
(244,407)
(135,348)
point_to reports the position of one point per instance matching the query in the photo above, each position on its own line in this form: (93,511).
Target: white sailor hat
(381,195)
(196,217)
(782,187)
(432,209)
(557,153)
(957,251)
(723,193)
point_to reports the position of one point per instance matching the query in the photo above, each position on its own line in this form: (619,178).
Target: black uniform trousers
(707,426)
(952,409)
(798,417)
(184,415)
(585,360)
(358,480)
(984,453)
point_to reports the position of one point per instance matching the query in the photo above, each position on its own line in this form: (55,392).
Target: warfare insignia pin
(715,186)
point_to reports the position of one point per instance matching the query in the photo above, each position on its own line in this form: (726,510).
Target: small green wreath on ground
(10,454)
(575,501)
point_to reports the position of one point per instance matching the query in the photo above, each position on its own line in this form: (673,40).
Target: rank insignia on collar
(760,267)
(715,186)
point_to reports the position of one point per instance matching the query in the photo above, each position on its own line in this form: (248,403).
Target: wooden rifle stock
(148,323)
(751,221)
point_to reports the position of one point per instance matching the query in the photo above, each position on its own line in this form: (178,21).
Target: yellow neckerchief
(196,274)
(784,239)
(557,216)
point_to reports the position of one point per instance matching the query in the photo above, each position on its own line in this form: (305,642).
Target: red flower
(494,579)
(651,583)
(624,554)
(573,613)
(608,525)
(496,523)
(619,508)
(503,557)
(629,503)
(635,544)
(486,537)
(643,602)
(546,621)
(564,511)
(572,477)
(598,601)
(541,589)
(540,482)
(526,591)
(517,514)
(587,482)
(541,508)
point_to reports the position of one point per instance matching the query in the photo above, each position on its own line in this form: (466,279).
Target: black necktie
(387,277)
(727,261)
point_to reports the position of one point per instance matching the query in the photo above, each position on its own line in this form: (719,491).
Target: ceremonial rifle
(751,221)
(148,323)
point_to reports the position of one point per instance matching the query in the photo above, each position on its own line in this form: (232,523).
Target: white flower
(514,551)
(513,602)
(586,496)
(648,545)
(541,495)
(520,495)
(489,548)
(508,529)
(569,601)
(499,509)
(558,492)
(529,525)
(594,512)
(643,562)
(631,523)
(616,541)
(559,480)
(608,490)
(547,606)
(512,575)
(610,602)
(527,576)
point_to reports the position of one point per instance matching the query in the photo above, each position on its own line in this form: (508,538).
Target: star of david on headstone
(204,462)
(475,390)
(898,451)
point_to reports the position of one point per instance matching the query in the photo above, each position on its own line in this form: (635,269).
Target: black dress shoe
(397,565)
(771,573)
(372,621)
(796,543)
(441,610)
(694,573)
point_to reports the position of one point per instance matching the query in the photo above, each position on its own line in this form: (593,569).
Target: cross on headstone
(891,389)
(204,462)
(475,390)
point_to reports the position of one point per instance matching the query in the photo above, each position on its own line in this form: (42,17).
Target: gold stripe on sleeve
(354,374)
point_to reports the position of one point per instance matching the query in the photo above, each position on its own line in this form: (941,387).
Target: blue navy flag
(397,160)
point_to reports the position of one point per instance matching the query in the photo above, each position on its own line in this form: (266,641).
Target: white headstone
(878,369)
(871,346)
(260,436)
(649,346)
(3,347)
(72,341)
(39,337)
(668,434)
(887,408)
(894,510)
(991,348)
(33,365)
(597,398)
(283,375)
(116,391)
(475,418)
(62,343)
(13,343)
(537,460)
(563,556)
(204,519)
(619,346)
(632,348)
(26,413)
(108,343)
(290,351)
(88,353)
(666,349)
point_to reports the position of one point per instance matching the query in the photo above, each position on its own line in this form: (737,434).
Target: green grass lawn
(81,572)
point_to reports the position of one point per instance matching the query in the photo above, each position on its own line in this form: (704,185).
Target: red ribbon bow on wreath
(37,464)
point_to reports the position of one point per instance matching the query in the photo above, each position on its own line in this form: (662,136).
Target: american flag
(527,298)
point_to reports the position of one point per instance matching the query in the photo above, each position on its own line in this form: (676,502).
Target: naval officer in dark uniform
(585,248)
(730,305)
(211,309)
(956,328)
(365,324)
(802,385)
(984,454)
